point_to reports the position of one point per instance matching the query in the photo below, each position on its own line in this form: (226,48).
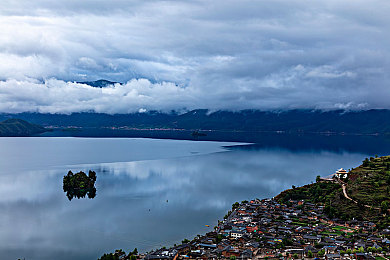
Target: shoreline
(238,236)
(298,223)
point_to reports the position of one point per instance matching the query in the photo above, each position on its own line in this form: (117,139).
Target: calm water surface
(150,193)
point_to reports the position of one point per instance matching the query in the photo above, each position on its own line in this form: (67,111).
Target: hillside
(291,121)
(367,185)
(18,127)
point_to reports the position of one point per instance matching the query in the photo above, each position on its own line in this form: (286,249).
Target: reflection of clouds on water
(36,216)
(225,177)
(25,154)
(28,186)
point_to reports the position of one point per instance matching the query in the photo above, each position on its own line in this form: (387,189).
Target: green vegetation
(120,254)
(315,193)
(367,184)
(235,205)
(370,182)
(109,257)
(18,127)
(219,238)
(79,184)
(185,241)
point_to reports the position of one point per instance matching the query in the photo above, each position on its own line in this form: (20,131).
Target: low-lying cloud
(179,55)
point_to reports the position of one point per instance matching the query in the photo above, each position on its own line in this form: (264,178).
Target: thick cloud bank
(220,54)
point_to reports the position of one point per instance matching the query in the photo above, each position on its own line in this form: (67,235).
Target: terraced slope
(368,185)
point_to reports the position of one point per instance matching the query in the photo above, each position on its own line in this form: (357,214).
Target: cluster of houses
(265,229)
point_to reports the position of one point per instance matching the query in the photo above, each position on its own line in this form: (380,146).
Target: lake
(150,193)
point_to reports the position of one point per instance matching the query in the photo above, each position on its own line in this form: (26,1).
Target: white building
(341,174)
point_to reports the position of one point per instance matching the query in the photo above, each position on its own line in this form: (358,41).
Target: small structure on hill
(341,174)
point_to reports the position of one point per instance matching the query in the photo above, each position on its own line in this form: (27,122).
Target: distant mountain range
(18,127)
(101,83)
(292,121)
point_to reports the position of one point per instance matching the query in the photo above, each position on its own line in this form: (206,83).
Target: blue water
(150,193)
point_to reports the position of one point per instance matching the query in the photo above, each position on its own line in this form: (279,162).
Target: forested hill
(367,187)
(18,127)
(294,121)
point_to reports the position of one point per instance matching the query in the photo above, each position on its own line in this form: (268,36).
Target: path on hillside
(346,195)
(382,255)
(344,186)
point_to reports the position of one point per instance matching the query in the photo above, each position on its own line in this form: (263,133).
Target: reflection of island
(79,184)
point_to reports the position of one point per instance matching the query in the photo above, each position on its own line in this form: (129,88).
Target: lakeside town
(268,229)
(263,229)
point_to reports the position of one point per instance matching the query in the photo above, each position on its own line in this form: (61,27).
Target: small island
(80,184)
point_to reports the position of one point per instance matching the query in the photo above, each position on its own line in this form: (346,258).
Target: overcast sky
(219,54)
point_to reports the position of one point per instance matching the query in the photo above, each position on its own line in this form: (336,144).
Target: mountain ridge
(291,121)
(18,127)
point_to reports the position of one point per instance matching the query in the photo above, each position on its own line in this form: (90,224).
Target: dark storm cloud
(195,54)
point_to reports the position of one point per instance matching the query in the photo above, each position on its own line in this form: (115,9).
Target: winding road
(344,186)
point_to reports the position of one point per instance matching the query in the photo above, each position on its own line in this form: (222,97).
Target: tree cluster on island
(79,185)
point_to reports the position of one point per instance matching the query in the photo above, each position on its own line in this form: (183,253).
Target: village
(266,229)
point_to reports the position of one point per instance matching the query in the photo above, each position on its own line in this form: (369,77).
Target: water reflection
(146,204)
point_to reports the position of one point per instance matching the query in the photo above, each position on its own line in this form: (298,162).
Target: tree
(310,254)
(321,252)
(92,175)
(79,185)
(219,238)
(109,257)
(384,206)
(295,256)
(235,205)
(232,257)
(366,162)
(318,178)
